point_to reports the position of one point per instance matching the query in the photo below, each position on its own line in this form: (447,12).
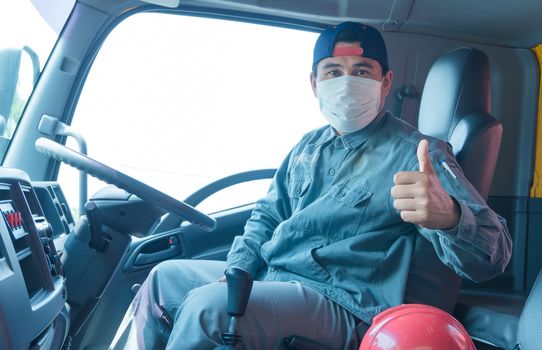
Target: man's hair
(347,36)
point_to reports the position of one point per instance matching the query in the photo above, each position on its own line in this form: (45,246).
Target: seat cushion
(491,317)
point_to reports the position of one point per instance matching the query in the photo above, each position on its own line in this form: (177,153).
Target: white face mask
(349,103)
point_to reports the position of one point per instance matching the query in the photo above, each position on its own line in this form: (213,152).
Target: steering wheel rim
(114,177)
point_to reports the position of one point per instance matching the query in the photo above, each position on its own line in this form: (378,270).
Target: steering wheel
(114,177)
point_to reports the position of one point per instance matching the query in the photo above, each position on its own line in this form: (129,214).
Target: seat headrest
(458,84)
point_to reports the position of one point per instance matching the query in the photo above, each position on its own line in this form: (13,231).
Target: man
(362,215)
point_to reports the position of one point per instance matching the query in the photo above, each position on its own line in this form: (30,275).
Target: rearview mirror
(18,75)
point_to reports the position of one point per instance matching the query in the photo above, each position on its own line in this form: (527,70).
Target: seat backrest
(529,334)
(455,107)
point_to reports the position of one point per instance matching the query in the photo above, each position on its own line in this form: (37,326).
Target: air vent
(31,200)
(55,207)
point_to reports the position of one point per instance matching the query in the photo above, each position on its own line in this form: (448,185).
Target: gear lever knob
(239,287)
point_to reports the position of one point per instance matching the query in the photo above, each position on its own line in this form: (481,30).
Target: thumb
(424,159)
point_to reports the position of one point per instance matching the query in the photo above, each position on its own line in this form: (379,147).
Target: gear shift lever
(239,287)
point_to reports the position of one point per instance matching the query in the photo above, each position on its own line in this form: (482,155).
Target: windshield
(25,44)
(179,111)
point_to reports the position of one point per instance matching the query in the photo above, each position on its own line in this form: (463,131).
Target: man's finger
(424,159)
(406,177)
(405,191)
(407,204)
(412,216)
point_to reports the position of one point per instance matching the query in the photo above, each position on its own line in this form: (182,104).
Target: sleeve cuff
(247,262)
(463,229)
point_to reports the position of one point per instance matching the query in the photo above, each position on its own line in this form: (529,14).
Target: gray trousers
(189,293)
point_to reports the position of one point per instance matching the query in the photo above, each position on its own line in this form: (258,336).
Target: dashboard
(67,285)
(35,219)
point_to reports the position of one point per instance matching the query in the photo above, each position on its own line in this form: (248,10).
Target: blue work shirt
(328,221)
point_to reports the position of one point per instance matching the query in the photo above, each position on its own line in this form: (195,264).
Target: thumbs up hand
(420,197)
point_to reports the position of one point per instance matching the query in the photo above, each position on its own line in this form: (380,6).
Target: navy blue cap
(372,43)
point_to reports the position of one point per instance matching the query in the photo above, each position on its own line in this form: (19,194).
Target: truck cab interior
(102,100)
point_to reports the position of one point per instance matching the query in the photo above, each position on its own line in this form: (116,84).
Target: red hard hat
(416,326)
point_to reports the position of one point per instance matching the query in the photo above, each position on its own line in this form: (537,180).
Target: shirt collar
(357,138)
(327,136)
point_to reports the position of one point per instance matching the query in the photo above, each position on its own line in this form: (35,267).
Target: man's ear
(387,82)
(313,84)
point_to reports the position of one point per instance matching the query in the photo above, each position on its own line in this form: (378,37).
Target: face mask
(349,103)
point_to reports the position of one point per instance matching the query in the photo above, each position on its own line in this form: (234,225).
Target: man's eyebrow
(331,65)
(364,64)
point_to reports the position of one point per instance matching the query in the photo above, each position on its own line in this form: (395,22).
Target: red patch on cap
(348,51)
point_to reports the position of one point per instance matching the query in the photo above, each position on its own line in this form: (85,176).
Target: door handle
(167,253)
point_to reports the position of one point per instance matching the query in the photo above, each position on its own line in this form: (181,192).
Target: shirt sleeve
(268,213)
(479,247)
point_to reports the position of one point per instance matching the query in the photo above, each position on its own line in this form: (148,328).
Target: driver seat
(455,107)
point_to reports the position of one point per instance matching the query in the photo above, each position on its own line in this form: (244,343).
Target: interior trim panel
(33,305)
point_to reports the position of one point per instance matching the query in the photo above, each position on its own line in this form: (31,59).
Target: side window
(25,43)
(179,102)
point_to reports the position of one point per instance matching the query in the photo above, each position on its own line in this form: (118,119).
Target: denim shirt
(328,221)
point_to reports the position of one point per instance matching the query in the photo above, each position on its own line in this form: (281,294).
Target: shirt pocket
(350,206)
(297,189)
(351,195)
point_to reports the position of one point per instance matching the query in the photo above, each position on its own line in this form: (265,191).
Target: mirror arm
(35,64)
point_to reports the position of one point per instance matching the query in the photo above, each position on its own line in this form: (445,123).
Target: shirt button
(273,268)
(342,194)
(331,172)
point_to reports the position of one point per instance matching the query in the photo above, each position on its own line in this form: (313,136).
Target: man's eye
(362,72)
(332,74)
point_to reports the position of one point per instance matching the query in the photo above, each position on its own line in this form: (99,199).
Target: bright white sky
(178,102)
(21,24)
